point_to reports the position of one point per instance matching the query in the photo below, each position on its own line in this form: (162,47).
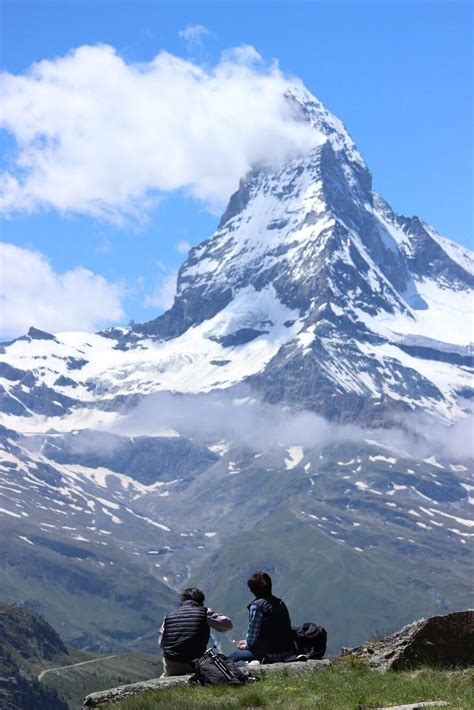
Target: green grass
(338,688)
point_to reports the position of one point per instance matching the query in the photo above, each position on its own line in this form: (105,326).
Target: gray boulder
(440,640)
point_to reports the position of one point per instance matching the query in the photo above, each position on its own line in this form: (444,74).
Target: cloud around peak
(96,135)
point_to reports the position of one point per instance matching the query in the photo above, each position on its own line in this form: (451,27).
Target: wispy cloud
(183,247)
(33,294)
(239,417)
(193,35)
(164,292)
(100,136)
(104,245)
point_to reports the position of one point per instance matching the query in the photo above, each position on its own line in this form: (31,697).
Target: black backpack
(310,640)
(214,668)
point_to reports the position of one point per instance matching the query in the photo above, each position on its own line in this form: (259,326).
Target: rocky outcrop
(17,692)
(28,637)
(26,641)
(446,641)
(114,695)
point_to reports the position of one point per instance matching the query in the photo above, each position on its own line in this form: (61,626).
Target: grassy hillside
(338,688)
(102,607)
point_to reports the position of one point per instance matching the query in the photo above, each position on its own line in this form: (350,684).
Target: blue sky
(398,74)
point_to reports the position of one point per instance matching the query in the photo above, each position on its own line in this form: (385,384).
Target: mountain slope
(137,459)
(27,641)
(39,671)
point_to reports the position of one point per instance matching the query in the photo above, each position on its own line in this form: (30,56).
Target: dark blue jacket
(275,635)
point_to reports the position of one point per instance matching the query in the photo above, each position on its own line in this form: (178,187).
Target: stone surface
(124,691)
(442,640)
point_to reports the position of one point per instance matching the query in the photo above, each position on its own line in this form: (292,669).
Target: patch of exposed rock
(445,641)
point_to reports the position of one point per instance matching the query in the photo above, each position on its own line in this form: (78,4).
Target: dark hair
(260,584)
(192,594)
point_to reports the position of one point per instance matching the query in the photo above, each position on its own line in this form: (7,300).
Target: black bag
(214,668)
(310,640)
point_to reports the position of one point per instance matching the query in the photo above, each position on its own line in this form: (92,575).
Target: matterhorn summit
(310,271)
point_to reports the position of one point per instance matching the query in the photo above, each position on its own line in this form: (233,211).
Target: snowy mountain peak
(365,286)
(327,124)
(312,290)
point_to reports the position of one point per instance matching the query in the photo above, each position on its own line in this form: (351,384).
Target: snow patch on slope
(295,456)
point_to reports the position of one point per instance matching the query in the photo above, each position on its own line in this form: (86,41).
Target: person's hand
(241,645)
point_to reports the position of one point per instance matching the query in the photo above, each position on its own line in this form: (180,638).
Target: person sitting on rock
(269,634)
(184,634)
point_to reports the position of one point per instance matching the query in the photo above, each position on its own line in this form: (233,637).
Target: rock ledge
(125,691)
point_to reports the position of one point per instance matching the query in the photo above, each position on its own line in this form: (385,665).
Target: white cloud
(245,54)
(96,135)
(183,247)
(238,416)
(193,34)
(32,294)
(164,293)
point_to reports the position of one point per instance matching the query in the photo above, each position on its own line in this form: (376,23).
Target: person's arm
(162,629)
(255,623)
(218,622)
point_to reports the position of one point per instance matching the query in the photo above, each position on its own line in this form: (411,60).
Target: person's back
(185,632)
(269,634)
(276,635)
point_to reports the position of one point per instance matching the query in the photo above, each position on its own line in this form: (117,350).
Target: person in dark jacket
(184,634)
(269,634)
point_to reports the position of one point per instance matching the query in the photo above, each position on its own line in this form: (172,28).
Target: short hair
(260,584)
(192,594)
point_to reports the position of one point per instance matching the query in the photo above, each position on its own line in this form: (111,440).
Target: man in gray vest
(184,634)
